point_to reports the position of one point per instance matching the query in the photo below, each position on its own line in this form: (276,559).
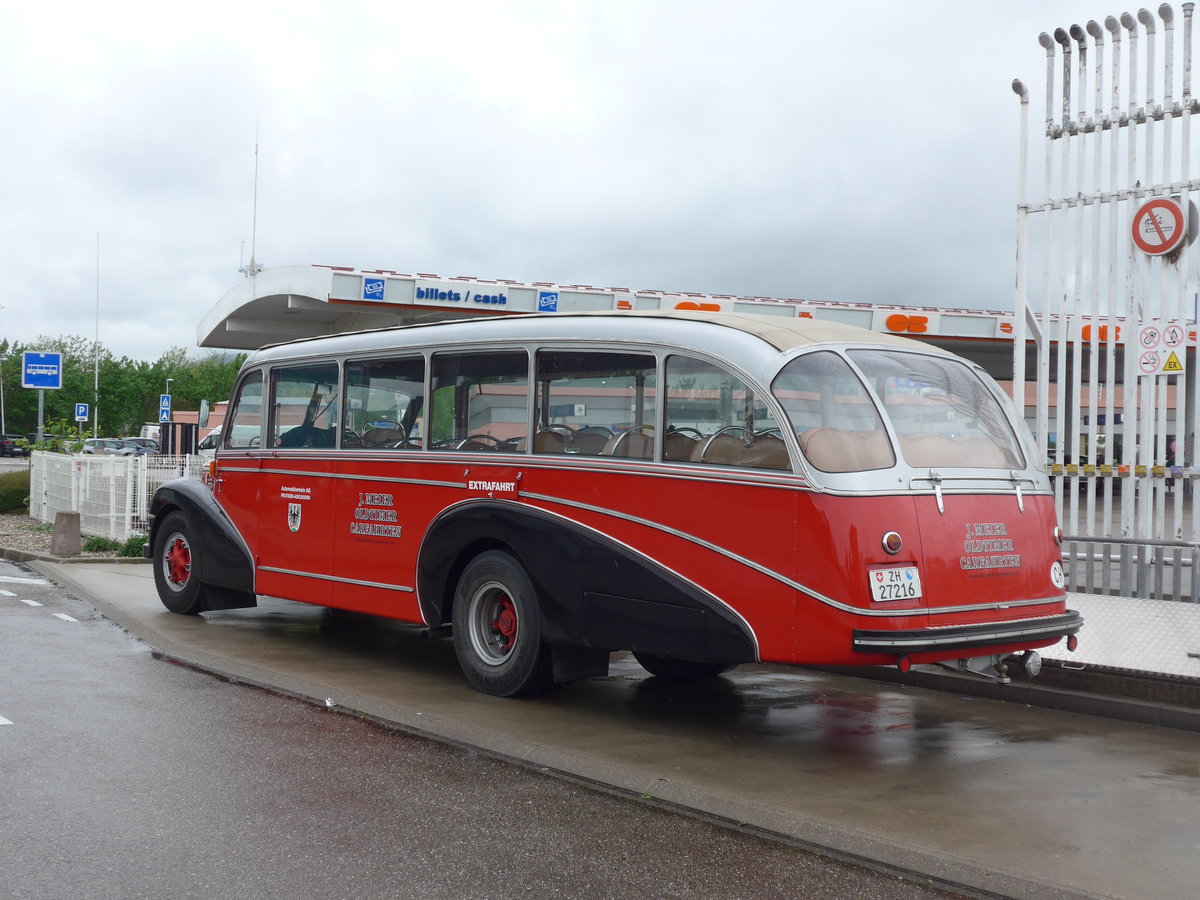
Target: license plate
(896,583)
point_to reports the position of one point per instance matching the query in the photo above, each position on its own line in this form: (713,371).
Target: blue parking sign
(81,412)
(41,370)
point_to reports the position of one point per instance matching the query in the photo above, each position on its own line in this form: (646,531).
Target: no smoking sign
(1159,226)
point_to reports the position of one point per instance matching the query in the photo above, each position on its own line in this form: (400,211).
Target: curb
(1075,692)
(33,556)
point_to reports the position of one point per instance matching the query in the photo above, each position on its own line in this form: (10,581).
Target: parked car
(111,446)
(143,445)
(10,447)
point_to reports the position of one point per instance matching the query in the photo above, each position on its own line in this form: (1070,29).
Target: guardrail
(1132,567)
(110,493)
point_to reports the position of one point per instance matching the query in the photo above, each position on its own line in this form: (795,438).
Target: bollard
(66,540)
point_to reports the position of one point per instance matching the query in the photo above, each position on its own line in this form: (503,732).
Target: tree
(128,389)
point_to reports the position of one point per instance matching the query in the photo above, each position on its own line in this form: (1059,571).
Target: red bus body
(563,539)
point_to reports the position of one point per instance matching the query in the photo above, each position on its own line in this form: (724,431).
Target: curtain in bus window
(243,427)
(941,410)
(383,404)
(713,417)
(303,406)
(594,403)
(480,401)
(836,422)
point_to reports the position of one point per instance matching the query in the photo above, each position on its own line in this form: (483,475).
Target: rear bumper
(966,637)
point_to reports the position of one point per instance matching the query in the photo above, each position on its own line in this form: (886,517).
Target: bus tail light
(1058,535)
(903,663)
(892,543)
(1072,642)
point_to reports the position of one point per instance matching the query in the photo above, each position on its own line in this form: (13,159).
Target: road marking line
(7,594)
(64,617)
(4,721)
(13,579)
(29,602)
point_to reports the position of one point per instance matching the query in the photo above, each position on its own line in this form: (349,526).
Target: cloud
(769,148)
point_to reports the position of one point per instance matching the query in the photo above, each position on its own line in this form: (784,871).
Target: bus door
(380,501)
(236,483)
(297,495)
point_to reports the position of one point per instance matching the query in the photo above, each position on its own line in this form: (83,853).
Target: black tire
(679,669)
(178,588)
(498,628)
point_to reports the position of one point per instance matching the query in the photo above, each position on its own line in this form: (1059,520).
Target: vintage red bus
(700,489)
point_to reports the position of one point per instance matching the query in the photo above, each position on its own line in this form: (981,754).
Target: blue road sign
(164,415)
(81,412)
(41,370)
(164,401)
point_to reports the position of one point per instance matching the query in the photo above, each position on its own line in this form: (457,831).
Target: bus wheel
(666,667)
(498,630)
(178,589)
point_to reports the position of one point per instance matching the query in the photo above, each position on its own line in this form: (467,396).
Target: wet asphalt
(1001,798)
(124,776)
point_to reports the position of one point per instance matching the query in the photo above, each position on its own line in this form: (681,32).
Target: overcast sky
(859,152)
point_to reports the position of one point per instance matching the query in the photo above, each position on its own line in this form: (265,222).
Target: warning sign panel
(1160,348)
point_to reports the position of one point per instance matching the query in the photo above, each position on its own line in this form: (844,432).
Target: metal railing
(1132,567)
(110,493)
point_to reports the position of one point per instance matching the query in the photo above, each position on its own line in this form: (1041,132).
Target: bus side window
(714,418)
(480,401)
(302,406)
(382,404)
(243,430)
(593,403)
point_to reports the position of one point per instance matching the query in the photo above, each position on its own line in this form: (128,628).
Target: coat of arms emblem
(294,516)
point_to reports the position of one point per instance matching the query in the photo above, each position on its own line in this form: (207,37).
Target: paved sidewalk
(998,797)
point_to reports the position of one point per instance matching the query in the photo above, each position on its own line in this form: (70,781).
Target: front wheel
(498,629)
(178,587)
(667,667)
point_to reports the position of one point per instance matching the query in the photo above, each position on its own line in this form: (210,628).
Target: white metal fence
(111,493)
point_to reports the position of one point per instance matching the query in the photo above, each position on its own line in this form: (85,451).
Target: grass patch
(41,528)
(98,544)
(14,491)
(133,547)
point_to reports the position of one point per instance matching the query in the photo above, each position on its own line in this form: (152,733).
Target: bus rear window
(941,410)
(835,420)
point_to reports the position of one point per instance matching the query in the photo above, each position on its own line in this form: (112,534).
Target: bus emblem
(294,516)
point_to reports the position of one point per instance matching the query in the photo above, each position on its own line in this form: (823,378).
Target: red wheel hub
(504,625)
(179,562)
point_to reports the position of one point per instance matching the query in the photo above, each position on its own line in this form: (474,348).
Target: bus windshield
(940,410)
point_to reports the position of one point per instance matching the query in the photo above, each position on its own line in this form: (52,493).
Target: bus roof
(658,326)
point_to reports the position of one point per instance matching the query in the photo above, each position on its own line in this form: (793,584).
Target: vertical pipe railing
(1113,26)
(1068,511)
(1043,349)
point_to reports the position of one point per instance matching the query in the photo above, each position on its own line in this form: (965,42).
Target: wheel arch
(221,559)
(593,590)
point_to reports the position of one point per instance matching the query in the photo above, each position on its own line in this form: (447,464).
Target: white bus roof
(737,337)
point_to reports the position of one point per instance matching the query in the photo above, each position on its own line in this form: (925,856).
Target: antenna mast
(253,268)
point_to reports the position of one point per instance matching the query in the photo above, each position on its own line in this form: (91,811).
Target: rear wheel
(666,667)
(498,629)
(178,588)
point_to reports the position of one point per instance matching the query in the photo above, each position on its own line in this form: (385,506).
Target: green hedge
(14,491)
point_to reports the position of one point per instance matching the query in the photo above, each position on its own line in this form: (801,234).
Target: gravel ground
(19,532)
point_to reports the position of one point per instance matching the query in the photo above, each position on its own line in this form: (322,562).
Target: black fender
(220,559)
(594,591)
